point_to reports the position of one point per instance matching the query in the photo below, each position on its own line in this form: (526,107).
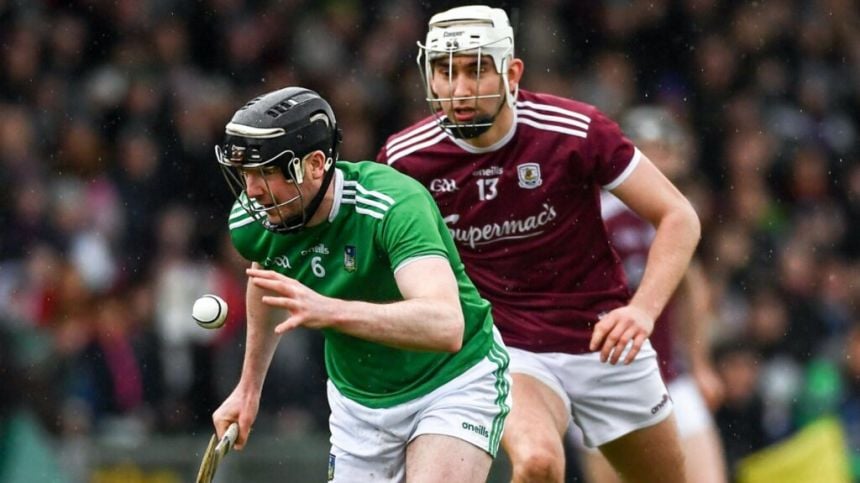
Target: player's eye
(265,171)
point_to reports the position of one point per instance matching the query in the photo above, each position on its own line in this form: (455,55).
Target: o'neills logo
(481,430)
(660,404)
(493,232)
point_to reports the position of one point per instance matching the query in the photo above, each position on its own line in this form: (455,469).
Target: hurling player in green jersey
(417,372)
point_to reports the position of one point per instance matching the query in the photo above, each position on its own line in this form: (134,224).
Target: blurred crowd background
(114,209)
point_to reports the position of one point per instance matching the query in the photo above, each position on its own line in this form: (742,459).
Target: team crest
(349,258)
(529,175)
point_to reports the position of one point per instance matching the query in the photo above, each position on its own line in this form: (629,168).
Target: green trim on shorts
(500,357)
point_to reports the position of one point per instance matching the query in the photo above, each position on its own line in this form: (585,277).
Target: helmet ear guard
(296,169)
(280,129)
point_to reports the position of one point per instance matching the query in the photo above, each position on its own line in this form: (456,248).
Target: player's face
(279,195)
(469,88)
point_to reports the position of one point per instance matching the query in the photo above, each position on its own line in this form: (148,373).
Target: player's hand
(616,329)
(306,307)
(238,407)
(710,385)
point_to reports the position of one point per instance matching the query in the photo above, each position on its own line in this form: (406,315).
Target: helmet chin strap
(481,124)
(295,224)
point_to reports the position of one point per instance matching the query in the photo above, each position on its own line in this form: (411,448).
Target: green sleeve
(411,229)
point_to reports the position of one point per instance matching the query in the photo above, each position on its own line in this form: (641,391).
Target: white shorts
(370,444)
(691,413)
(606,401)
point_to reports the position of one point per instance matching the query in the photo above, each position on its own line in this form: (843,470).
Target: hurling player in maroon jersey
(517,176)
(682,329)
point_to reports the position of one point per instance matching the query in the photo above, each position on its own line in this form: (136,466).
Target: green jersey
(380,220)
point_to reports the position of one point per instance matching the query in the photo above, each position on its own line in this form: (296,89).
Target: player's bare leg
(703,460)
(649,454)
(597,469)
(436,458)
(533,432)
(703,453)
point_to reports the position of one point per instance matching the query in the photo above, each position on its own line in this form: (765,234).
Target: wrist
(336,315)
(652,310)
(248,387)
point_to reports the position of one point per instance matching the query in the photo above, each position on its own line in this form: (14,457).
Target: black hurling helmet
(279,129)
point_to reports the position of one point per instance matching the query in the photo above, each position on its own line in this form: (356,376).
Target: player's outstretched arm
(653,197)
(260,343)
(429,317)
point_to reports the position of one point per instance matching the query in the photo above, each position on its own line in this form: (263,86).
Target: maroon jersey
(631,237)
(525,214)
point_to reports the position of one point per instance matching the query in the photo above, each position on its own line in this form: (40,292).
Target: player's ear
(515,72)
(316,163)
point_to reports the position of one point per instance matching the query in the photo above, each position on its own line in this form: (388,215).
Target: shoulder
(580,130)
(543,102)
(365,179)
(393,206)
(422,134)
(240,218)
(371,174)
(549,112)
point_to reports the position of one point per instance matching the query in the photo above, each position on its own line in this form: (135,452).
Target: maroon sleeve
(608,148)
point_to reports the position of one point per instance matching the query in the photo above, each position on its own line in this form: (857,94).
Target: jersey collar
(338,194)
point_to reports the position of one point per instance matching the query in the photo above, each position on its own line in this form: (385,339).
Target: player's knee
(538,464)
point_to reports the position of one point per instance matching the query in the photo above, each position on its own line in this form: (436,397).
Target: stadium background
(114,211)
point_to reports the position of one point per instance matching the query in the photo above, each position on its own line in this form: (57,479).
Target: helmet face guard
(235,177)
(467,31)
(276,133)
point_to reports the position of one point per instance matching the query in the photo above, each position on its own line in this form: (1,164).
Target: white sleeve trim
(415,259)
(637,156)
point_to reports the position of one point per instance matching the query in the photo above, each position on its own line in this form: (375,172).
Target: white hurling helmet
(471,30)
